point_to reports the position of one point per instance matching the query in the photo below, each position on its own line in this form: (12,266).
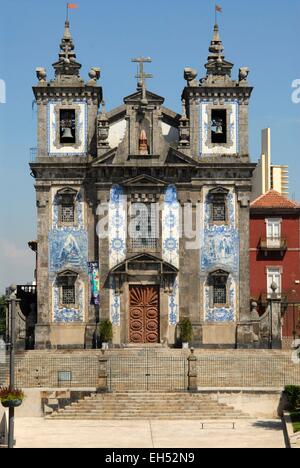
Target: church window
(218,201)
(67,283)
(218,126)
(67,126)
(219,211)
(144,226)
(218,283)
(67,206)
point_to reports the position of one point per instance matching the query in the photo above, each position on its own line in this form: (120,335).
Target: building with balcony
(275,256)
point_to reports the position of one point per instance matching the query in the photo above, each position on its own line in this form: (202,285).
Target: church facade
(143,213)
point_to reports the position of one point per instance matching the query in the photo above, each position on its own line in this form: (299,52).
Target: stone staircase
(141,406)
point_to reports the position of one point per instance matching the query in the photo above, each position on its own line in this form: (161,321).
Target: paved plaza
(40,433)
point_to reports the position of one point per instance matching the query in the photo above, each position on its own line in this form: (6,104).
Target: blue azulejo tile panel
(220,250)
(68,315)
(115,304)
(173,304)
(117,226)
(171,227)
(68,249)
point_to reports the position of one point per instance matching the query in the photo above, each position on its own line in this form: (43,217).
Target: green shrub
(106,331)
(293,395)
(186,330)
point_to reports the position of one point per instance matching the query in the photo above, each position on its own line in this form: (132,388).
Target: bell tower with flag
(216,111)
(67,109)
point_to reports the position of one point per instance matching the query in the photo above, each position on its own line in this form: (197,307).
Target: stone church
(143,213)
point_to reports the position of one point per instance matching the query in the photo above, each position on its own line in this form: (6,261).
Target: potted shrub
(11,398)
(186,332)
(105,333)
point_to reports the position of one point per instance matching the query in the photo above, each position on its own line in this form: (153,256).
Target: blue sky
(263,35)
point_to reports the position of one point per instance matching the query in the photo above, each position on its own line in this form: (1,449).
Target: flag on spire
(72,6)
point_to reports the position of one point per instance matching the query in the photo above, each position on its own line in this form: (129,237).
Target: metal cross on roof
(142,76)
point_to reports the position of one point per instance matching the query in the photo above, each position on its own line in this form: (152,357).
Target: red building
(275,257)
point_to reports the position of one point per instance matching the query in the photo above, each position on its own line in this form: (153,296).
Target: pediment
(151,97)
(142,180)
(107,158)
(175,157)
(144,258)
(219,191)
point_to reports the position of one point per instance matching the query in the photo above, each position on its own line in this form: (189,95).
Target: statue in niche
(143,143)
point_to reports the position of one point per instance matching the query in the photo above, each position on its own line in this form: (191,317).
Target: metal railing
(273,243)
(153,371)
(147,371)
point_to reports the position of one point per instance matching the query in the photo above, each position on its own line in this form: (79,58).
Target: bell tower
(67,142)
(67,106)
(217,107)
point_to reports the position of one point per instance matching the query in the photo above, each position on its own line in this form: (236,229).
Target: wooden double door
(144,314)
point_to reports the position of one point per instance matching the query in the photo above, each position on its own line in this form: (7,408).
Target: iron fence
(266,370)
(147,371)
(42,371)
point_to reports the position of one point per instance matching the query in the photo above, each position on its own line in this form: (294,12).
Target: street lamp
(12,301)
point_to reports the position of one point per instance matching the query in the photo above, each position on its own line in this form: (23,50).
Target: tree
(2,315)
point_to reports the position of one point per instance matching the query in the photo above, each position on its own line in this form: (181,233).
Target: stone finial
(216,48)
(94,74)
(254,311)
(41,74)
(184,128)
(274,287)
(67,64)
(217,65)
(143,143)
(102,128)
(190,75)
(13,291)
(243,73)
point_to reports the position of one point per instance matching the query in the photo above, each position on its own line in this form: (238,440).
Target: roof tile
(273,199)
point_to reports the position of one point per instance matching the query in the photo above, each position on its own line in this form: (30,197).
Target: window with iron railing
(144,226)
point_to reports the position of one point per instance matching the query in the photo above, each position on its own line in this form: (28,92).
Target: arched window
(66,281)
(66,201)
(218,283)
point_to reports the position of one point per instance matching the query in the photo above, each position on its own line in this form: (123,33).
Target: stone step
(145,406)
(169,417)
